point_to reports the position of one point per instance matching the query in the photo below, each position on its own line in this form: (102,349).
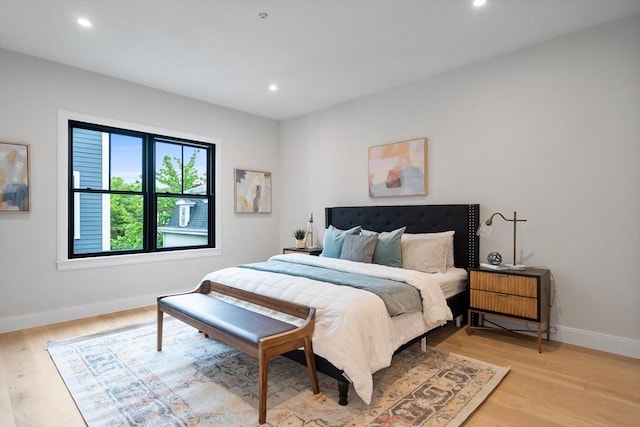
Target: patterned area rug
(117,378)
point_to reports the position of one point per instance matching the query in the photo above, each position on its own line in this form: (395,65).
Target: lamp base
(516,266)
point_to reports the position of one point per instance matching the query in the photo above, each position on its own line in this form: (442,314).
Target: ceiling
(319,52)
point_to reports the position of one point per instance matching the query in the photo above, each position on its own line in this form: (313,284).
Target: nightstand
(515,294)
(303,251)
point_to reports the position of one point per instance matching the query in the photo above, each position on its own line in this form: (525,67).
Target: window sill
(110,261)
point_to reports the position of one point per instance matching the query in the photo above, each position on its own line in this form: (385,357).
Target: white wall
(551,131)
(32,290)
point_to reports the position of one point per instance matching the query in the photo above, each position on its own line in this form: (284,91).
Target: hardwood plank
(32,392)
(6,411)
(562,386)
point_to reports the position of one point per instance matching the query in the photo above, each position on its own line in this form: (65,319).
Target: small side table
(518,295)
(303,251)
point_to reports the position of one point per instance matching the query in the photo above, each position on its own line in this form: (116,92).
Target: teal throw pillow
(333,240)
(388,250)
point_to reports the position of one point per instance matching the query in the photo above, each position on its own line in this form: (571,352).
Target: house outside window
(187,225)
(131,192)
(184,209)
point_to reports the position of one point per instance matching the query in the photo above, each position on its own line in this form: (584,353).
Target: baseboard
(597,341)
(594,340)
(32,320)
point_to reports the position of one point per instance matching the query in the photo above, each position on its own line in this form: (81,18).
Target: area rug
(117,378)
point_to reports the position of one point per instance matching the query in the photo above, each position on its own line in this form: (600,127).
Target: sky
(126,156)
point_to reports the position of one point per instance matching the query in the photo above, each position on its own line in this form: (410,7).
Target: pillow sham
(418,236)
(358,247)
(388,250)
(427,255)
(333,240)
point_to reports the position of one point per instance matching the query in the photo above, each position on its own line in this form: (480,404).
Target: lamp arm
(515,219)
(490,220)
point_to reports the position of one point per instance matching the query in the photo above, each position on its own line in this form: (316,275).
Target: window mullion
(150,196)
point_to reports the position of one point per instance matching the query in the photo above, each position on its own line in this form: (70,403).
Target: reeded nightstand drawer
(505,303)
(504,283)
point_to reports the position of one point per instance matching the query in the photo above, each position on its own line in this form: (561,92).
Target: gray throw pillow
(358,247)
(333,240)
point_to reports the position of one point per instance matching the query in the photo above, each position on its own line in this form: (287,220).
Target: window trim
(63,261)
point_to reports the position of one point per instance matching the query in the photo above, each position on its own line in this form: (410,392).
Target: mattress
(452,282)
(353,328)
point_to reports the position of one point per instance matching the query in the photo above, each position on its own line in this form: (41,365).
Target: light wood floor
(564,386)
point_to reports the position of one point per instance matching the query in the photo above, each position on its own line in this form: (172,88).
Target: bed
(355,334)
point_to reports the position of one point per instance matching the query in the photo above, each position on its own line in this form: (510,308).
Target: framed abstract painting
(252,191)
(14,178)
(398,169)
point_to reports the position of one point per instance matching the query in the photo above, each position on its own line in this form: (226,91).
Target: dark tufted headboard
(463,219)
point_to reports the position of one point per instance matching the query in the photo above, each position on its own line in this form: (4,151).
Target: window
(133,192)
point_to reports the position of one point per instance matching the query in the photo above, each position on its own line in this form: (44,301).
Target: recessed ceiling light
(273,87)
(478,3)
(84,22)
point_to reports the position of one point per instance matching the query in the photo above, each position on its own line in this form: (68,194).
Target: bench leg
(160,318)
(311,364)
(263,369)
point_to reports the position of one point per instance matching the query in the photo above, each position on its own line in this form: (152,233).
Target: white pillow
(428,255)
(422,236)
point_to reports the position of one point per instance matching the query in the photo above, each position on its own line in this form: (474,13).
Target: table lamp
(486,228)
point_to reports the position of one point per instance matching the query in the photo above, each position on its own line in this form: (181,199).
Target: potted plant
(299,234)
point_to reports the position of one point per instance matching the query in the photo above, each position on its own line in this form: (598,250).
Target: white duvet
(353,329)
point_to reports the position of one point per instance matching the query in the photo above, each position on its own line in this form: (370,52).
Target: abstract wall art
(398,169)
(14,178)
(252,191)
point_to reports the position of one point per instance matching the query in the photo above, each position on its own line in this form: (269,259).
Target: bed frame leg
(343,392)
(423,344)
(459,321)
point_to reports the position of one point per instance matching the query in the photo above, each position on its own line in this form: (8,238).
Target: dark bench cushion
(241,323)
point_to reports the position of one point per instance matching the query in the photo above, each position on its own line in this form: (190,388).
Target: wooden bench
(256,334)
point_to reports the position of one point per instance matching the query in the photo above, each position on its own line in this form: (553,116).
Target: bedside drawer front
(288,251)
(505,303)
(314,252)
(505,284)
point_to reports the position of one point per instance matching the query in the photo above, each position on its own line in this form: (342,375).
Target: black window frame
(148,191)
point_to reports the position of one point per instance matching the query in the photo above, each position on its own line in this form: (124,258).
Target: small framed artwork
(252,191)
(14,178)
(398,169)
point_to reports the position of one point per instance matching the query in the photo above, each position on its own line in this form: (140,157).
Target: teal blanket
(398,297)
